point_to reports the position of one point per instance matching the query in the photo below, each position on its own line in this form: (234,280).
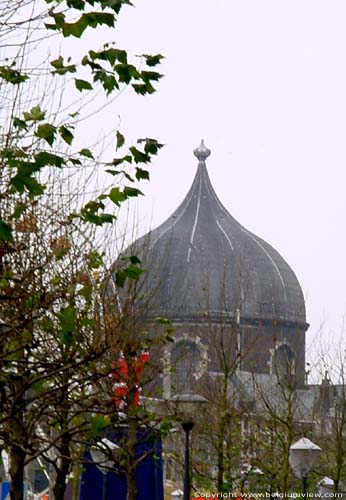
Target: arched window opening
(283,361)
(185,358)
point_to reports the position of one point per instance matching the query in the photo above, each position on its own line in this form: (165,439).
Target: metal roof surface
(202,263)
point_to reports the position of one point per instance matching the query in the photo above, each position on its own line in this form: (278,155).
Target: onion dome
(202,263)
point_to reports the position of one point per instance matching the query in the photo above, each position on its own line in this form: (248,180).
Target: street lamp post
(187,405)
(303,456)
(187,426)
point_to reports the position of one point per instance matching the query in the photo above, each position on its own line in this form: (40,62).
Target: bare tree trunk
(222,429)
(60,484)
(17,449)
(63,469)
(17,460)
(220,463)
(64,447)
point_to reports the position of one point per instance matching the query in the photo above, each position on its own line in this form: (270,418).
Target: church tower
(219,283)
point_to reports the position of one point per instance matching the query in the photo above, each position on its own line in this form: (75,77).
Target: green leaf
(130,191)
(89,213)
(82,84)
(85,292)
(67,319)
(86,152)
(128,176)
(18,123)
(76,4)
(59,19)
(12,75)
(75,161)
(126,72)
(143,88)
(75,29)
(113,172)
(151,146)
(23,180)
(87,20)
(120,140)
(88,323)
(47,132)
(132,272)
(94,55)
(34,300)
(94,206)
(117,196)
(119,161)
(66,134)
(120,278)
(166,426)
(5,231)
(48,324)
(142,174)
(15,157)
(139,156)
(153,60)
(111,55)
(18,211)
(95,260)
(35,114)
(100,18)
(60,68)
(97,424)
(44,158)
(116,5)
(149,88)
(98,220)
(151,76)
(117,55)
(34,187)
(134,259)
(109,82)
(140,88)
(163,321)
(39,386)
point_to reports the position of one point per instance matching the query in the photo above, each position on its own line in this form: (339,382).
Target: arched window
(283,361)
(185,358)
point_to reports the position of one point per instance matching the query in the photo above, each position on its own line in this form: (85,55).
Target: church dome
(201,263)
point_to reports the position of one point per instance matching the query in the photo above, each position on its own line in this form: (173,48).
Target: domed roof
(202,263)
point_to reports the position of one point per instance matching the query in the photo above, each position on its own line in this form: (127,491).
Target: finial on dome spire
(202,152)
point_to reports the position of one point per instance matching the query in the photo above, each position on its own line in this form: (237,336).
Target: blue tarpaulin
(112,485)
(5,490)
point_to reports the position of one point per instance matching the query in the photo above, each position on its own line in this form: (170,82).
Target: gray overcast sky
(264,83)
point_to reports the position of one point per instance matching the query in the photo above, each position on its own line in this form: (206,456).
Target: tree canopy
(57,338)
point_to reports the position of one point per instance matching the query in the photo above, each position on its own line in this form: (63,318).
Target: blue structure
(5,490)
(113,485)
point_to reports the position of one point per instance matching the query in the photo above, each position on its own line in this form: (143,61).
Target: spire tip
(202,152)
